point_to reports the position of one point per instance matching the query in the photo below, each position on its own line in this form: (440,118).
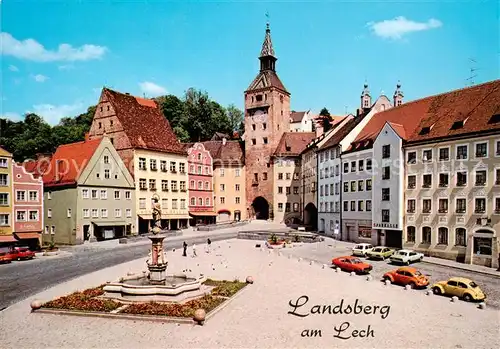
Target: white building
(301,121)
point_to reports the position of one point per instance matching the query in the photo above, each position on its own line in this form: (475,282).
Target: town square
(168,182)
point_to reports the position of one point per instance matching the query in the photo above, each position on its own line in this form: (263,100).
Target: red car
(5,257)
(19,253)
(351,263)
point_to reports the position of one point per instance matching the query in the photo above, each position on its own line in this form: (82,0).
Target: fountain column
(158,266)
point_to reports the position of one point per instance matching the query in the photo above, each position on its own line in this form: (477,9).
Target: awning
(175,217)
(25,236)
(110,224)
(146,216)
(203,214)
(7,238)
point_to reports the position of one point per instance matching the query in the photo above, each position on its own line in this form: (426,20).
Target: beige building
(286,181)
(151,152)
(6,199)
(229,180)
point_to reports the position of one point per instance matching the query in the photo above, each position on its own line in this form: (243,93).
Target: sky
(57,55)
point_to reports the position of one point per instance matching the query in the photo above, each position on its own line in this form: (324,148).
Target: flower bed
(225,288)
(84,301)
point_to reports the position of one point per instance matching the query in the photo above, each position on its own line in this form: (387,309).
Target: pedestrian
(184,246)
(209,242)
(194,250)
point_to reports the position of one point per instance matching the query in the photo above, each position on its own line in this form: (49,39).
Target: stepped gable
(144,123)
(293,143)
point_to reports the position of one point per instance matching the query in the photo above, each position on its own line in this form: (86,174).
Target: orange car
(407,276)
(351,263)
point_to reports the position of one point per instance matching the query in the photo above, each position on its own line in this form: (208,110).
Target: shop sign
(385,225)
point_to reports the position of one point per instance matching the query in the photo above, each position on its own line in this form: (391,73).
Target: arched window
(207,187)
(460,237)
(200,185)
(426,235)
(200,201)
(191,185)
(193,201)
(199,156)
(191,169)
(207,202)
(443,236)
(410,234)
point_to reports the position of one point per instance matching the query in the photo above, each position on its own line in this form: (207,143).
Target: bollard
(324,266)
(352,273)
(482,305)
(407,287)
(337,269)
(369,278)
(311,262)
(387,282)
(454,299)
(429,292)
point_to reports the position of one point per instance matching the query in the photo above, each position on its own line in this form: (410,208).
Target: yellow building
(6,200)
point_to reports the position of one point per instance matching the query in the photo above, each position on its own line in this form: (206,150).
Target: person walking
(184,246)
(194,250)
(209,242)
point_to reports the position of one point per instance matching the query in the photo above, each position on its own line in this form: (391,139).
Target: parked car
(406,257)
(21,253)
(350,263)
(5,257)
(407,276)
(463,288)
(361,249)
(380,252)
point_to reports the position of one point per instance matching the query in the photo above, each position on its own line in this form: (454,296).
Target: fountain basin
(138,288)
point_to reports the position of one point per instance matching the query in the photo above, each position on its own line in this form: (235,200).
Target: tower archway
(261,208)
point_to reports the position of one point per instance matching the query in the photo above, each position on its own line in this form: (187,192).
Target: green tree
(325,119)
(236,118)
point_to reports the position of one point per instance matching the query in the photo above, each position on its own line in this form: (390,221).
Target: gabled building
(151,152)
(286,166)
(6,200)
(301,121)
(88,193)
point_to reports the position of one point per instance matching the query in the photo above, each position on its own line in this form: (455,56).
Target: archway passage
(311,216)
(261,208)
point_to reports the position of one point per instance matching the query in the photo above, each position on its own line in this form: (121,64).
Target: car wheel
(407,262)
(386,278)
(467,297)
(436,290)
(412,285)
(421,259)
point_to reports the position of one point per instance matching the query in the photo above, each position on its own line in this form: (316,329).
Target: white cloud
(12,116)
(398,27)
(13,68)
(30,49)
(66,67)
(53,113)
(151,89)
(39,78)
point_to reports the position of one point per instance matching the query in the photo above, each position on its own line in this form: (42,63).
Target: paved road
(324,252)
(19,280)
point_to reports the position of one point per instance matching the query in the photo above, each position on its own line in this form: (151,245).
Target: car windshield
(377,249)
(401,253)
(417,273)
(473,284)
(359,247)
(356,261)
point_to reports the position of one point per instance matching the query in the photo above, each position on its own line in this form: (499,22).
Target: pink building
(28,206)
(201,187)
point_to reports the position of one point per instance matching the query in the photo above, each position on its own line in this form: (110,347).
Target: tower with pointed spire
(366,99)
(398,95)
(267,117)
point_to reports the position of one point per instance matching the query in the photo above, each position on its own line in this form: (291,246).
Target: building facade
(151,153)
(267,117)
(201,185)
(28,207)
(302,121)
(6,200)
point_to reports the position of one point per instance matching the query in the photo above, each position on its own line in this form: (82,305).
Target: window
(192,201)
(337,185)
(480,205)
(237,172)
(68,213)
(346,206)
(337,171)
(442,236)
(183,204)
(480,178)
(410,206)
(427,155)
(361,164)
(85,193)
(497,205)
(410,234)
(152,165)
(368,184)
(426,235)
(198,169)
(128,195)
(295,190)
(264,176)
(289,191)
(353,205)
(128,213)
(280,175)
(104,213)
(52,230)
(386,195)
(461,179)
(295,207)
(199,156)
(106,174)
(460,237)
(443,180)
(20,195)
(182,168)
(200,201)
(142,164)
(173,185)
(460,206)
(280,207)
(320,190)
(21,216)
(164,203)
(385,216)
(412,157)
(207,186)
(117,195)
(4,179)
(346,167)
(386,172)
(4,163)
(142,183)
(4,199)
(426,205)
(361,205)
(163,165)
(152,184)
(412,182)
(174,204)
(173,168)
(481,150)
(443,206)
(264,140)
(118,213)
(4,220)
(368,205)
(427,181)
(497,151)
(49,213)
(353,186)
(254,141)
(237,200)
(346,187)
(104,194)
(142,203)
(164,185)
(200,185)
(221,172)
(222,200)
(288,176)
(369,165)
(461,152)
(444,154)
(222,187)
(386,151)
(353,166)
(497,176)
(182,185)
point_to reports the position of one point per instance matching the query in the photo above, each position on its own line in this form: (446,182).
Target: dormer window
(425,130)
(458,124)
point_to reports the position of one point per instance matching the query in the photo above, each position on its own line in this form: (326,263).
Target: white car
(406,257)
(361,249)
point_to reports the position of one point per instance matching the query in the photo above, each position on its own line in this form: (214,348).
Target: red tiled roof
(344,131)
(477,105)
(265,79)
(231,152)
(293,143)
(297,116)
(144,123)
(68,162)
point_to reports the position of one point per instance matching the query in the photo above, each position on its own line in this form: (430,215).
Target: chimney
(224,141)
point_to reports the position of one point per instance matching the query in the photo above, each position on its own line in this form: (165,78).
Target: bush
(84,301)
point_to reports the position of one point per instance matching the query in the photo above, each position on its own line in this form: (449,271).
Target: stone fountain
(156,285)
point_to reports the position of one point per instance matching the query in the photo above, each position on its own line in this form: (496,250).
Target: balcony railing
(460,210)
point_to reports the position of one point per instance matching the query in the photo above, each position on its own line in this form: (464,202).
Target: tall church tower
(267,117)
